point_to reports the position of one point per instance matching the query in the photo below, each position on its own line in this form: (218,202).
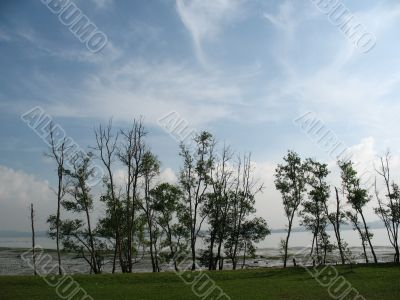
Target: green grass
(373,282)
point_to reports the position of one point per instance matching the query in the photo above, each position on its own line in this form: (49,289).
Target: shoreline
(11,262)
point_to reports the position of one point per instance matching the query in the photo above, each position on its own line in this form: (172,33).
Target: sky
(243,69)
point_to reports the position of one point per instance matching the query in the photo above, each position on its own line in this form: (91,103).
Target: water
(304,239)
(268,254)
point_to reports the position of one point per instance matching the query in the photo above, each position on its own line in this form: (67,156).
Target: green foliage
(290,181)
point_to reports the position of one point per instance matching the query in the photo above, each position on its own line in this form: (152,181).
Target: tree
(106,146)
(169,208)
(353,217)
(33,239)
(337,218)
(290,180)
(58,152)
(150,169)
(389,207)
(79,234)
(242,205)
(313,213)
(253,231)
(357,197)
(195,180)
(218,207)
(131,153)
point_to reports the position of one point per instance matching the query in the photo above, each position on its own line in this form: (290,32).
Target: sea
(267,252)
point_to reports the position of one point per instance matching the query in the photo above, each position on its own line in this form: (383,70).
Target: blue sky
(243,69)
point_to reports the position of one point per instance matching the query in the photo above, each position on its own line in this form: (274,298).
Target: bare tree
(33,239)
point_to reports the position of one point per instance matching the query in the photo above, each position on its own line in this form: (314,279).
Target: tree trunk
(244,255)
(287,241)
(95,266)
(193,248)
(33,241)
(58,218)
(211,263)
(368,238)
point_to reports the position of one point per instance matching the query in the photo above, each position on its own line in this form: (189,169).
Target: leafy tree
(79,235)
(242,205)
(169,208)
(106,146)
(150,169)
(130,153)
(253,231)
(290,180)
(354,219)
(388,208)
(195,180)
(337,218)
(313,213)
(58,152)
(357,197)
(217,207)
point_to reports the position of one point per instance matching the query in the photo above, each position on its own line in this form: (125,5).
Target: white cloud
(17,191)
(168,175)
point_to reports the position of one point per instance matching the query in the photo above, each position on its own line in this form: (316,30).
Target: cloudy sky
(243,69)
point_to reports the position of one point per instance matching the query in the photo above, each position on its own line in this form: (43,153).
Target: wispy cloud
(205,20)
(152,90)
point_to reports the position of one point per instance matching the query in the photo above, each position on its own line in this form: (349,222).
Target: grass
(372,282)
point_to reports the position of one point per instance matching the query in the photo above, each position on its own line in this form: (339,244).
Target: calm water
(267,252)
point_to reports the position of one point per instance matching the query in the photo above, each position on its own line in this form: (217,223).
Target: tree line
(305,192)
(212,201)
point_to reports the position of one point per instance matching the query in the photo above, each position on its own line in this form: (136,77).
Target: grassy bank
(373,282)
